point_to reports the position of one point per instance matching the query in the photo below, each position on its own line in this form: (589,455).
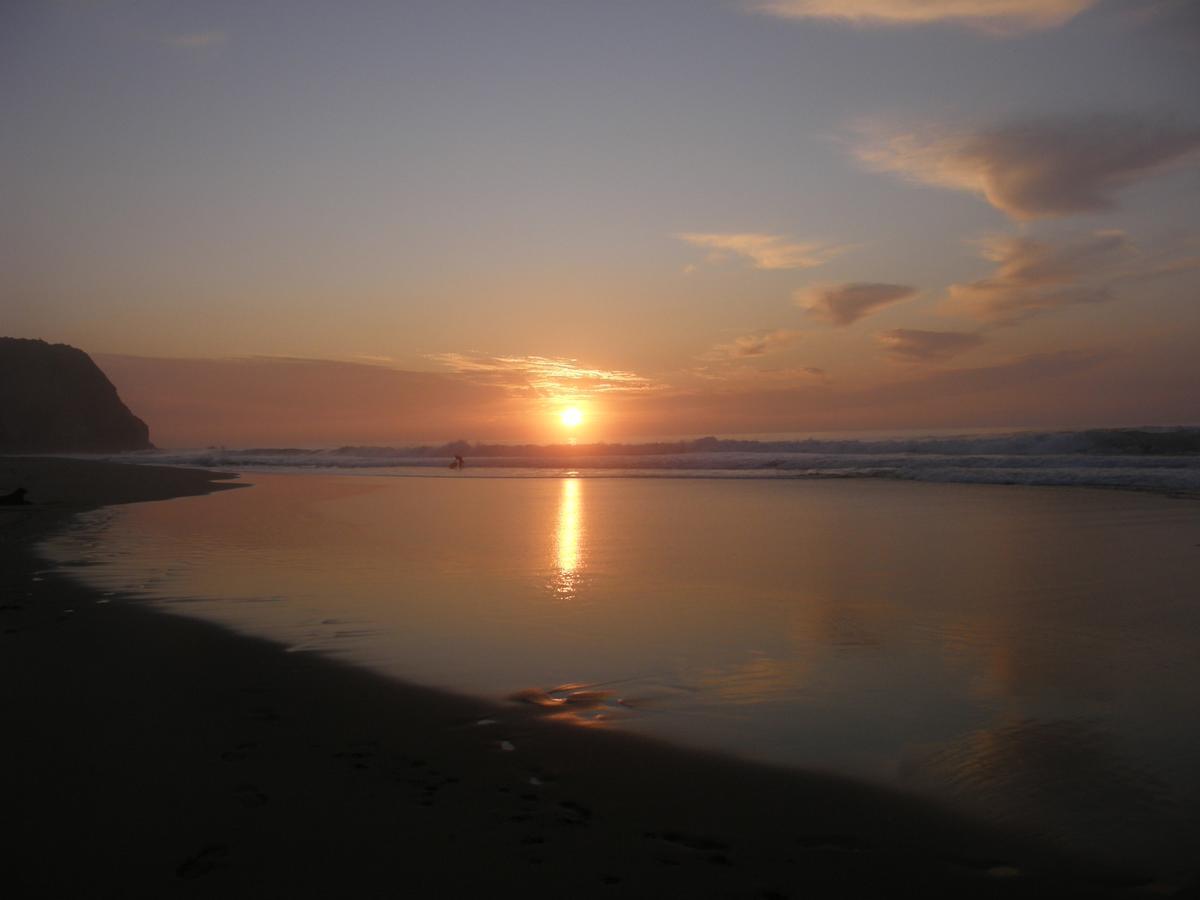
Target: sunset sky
(418,220)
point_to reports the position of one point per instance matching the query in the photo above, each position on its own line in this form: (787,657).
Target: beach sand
(150,755)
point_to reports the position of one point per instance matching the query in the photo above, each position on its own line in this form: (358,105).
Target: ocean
(1156,459)
(1028,654)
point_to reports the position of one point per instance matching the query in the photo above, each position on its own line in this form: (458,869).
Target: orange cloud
(541,376)
(994,16)
(914,345)
(1035,276)
(764,251)
(845,304)
(1035,169)
(1063,388)
(755,344)
(280,403)
(304,402)
(743,380)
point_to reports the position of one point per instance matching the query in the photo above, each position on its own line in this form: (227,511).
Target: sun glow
(568,539)
(571,416)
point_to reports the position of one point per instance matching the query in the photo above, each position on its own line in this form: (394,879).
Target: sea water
(1030,655)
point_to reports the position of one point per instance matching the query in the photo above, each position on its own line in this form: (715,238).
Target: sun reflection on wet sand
(568,556)
(977,645)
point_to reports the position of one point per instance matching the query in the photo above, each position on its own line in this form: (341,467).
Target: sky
(384,222)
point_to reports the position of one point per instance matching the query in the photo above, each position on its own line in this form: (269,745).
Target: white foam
(1148,459)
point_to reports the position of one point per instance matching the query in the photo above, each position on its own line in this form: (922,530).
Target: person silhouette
(16,498)
(458,462)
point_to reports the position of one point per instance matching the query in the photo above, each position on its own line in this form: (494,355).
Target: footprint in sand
(843,843)
(238,753)
(426,781)
(709,849)
(264,714)
(1002,872)
(208,859)
(574,813)
(990,868)
(358,759)
(250,796)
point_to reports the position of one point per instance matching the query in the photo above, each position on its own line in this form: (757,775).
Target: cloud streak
(197,40)
(914,345)
(1033,276)
(756,344)
(1001,17)
(742,379)
(1178,19)
(546,377)
(279,401)
(1039,168)
(1049,388)
(845,304)
(763,251)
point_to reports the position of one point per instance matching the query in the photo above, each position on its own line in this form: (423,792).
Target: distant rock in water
(54,399)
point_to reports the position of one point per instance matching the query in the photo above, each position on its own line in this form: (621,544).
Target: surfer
(17,497)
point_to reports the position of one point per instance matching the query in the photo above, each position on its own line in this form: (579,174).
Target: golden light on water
(568,526)
(571,417)
(567,538)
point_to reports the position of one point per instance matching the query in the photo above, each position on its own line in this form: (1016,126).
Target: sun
(571,416)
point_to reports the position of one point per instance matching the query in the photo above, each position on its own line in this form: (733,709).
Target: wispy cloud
(845,304)
(755,344)
(914,345)
(289,401)
(1050,388)
(547,377)
(994,16)
(727,377)
(197,40)
(764,251)
(1035,276)
(740,379)
(1178,19)
(1038,168)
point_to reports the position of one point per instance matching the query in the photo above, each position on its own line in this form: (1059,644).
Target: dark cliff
(54,399)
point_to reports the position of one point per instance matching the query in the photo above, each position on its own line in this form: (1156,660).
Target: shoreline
(151,755)
(414,469)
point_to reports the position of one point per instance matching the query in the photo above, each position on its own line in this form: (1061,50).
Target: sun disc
(571,416)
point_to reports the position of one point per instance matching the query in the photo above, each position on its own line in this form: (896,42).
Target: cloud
(740,379)
(1178,19)
(1038,168)
(1035,276)
(994,16)
(277,401)
(197,40)
(546,377)
(795,375)
(1014,375)
(297,402)
(755,344)
(845,304)
(1062,388)
(914,345)
(765,251)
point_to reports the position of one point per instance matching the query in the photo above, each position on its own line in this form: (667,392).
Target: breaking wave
(1166,459)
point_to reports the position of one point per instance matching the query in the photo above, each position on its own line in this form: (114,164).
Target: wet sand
(148,755)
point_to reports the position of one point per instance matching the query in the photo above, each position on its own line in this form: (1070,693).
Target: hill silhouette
(55,399)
